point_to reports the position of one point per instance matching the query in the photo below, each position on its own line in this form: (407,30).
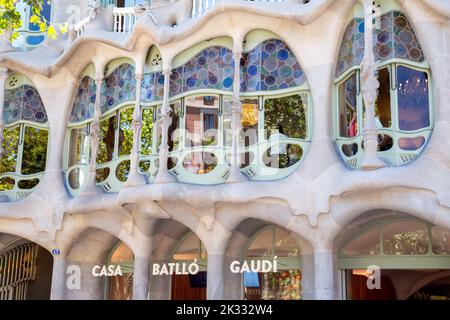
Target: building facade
(152,138)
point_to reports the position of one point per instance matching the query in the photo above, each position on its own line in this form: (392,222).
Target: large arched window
(285,284)
(275,117)
(403,108)
(116,135)
(275,106)
(25,139)
(399,248)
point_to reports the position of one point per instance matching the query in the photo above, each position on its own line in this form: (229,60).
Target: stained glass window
(270,66)
(118,87)
(84,105)
(152,87)
(395,38)
(23,103)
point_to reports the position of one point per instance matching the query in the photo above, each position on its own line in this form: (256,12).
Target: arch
(117,102)
(26,128)
(404,249)
(91,248)
(256,240)
(404,107)
(424,281)
(25,269)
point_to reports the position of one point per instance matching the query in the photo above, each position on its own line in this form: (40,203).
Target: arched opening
(388,253)
(404,108)
(25,139)
(189,250)
(97,257)
(267,262)
(276,108)
(273,243)
(117,103)
(25,269)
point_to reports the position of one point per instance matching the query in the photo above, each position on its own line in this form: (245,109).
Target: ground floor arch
(387,255)
(25,269)
(279,261)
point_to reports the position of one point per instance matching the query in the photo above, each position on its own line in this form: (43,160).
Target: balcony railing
(125,18)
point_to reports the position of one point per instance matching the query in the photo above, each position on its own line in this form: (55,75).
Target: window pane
(441,240)
(202,119)
(122,254)
(250,118)
(34,155)
(200,162)
(383,103)
(188,249)
(79,146)
(147,131)
(285,245)
(107,139)
(262,246)
(413,99)
(348,110)
(10,147)
(367,244)
(125,132)
(405,238)
(227,118)
(121,287)
(174,134)
(285,117)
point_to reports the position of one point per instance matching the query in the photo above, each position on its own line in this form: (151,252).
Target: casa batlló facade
(267,150)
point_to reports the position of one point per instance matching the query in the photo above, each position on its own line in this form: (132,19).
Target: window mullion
(116,135)
(20,149)
(394,98)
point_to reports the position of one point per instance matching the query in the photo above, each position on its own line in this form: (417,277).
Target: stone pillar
(307,276)
(236,118)
(58,278)
(323,272)
(164,175)
(141,277)
(3,78)
(369,89)
(91,186)
(135,178)
(214,285)
(160,285)
(233,282)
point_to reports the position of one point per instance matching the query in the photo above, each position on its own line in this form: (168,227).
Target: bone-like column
(323,271)
(141,277)
(135,178)
(236,121)
(95,139)
(163,175)
(59,284)
(3,78)
(369,86)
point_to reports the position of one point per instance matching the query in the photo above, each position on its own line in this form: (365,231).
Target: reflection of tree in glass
(34,155)
(34,150)
(126,132)
(106,143)
(10,145)
(289,112)
(407,243)
(147,131)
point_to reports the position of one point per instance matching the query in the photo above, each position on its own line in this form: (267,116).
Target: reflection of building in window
(285,284)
